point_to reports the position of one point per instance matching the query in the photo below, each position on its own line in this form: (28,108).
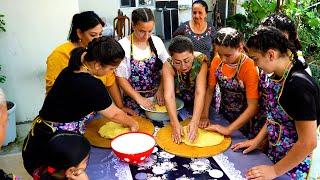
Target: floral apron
(185,84)
(41,132)
(260,119)
(144,79)
(281,130)
(233,95)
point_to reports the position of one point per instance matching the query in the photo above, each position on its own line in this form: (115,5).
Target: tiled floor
(12,163)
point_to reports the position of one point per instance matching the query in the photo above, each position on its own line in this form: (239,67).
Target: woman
(287,26)
(198,29)
(75,95)
(3,117)
(84,27)
(293,110)
(139,74)
(185,77)
(69,154)
(237,77)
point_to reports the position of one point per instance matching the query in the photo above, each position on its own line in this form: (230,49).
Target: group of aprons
(281,129)
(34,147)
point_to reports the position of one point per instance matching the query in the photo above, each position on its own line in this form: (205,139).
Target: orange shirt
(248,74)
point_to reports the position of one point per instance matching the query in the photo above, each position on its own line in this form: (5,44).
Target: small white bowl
(161,116)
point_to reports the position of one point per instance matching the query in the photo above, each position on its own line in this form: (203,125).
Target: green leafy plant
(2,77)
(2,23)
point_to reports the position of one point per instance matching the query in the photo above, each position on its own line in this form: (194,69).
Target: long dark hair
(265,38)
(105,50)
(84,21)
(284,24)
(146,15)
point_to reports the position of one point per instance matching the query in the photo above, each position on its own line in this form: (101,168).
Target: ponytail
(297,63)
(75,59)
(158,63)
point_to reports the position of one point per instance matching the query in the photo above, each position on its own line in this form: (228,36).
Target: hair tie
(50,169)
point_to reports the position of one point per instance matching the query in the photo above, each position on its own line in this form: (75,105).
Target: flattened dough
(111,130)
(160,108)
(205,138)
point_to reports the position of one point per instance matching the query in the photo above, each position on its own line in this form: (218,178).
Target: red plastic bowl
(133,147)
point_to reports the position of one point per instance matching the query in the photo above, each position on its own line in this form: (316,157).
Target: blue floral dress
(282,133)
(145,78)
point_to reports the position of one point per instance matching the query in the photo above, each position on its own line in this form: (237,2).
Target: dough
(205,138)
(160,108)
(111,130)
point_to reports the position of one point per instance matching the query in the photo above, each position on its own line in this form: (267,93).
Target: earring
(80,40)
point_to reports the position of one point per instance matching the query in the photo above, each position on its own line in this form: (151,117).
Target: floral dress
(282,133)
(185,84)
(145,78)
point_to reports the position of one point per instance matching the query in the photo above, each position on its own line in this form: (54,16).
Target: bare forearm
(246,116)
(128,89)
(171,107)
(298,152)
(207,102)
(198,105)
(115,94)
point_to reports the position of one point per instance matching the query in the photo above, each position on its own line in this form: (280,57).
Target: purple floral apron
(233,96)
(144,78)
(260,119)
(281,129)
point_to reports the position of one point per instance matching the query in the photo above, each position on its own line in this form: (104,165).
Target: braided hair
(146,15)
(104,49)
(228,37)
(265,38)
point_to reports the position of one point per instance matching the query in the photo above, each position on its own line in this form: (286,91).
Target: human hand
(220,129)
(134,126)
(176,132)
(146,103)
(159,97)
(78,174)
(204,122)
(129,111)
(248,145)
(192,130)
(261,172)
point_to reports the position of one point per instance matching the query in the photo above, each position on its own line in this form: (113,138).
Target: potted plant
(11,130)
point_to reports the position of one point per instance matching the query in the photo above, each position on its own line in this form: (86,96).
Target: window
(128,3)
(146,2)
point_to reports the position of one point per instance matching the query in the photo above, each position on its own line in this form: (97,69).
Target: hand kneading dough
(205,138)
(160,108)
(111,130)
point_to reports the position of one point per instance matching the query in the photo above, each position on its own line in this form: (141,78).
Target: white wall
(34,28)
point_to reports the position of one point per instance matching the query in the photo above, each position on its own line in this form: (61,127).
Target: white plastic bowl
(161,116)
(133,147)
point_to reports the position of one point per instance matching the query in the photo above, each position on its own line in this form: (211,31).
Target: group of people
(265,90)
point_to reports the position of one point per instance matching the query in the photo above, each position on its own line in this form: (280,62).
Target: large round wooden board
(164,140)
(95,139)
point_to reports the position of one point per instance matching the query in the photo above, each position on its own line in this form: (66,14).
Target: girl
(75,95)
(68,158)
(84,27)
(237,78)
(139,73)
(293,110)
(185,77)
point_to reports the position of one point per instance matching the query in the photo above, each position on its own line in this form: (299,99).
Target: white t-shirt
(2,97)
(124,69)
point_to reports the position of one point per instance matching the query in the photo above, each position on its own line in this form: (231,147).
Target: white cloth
(2,97)
(124,70)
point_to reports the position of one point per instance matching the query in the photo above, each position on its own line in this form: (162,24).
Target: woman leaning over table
(84,27)
(200,32)
(72,99)
(185,77)
(293,110)
(139,74)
